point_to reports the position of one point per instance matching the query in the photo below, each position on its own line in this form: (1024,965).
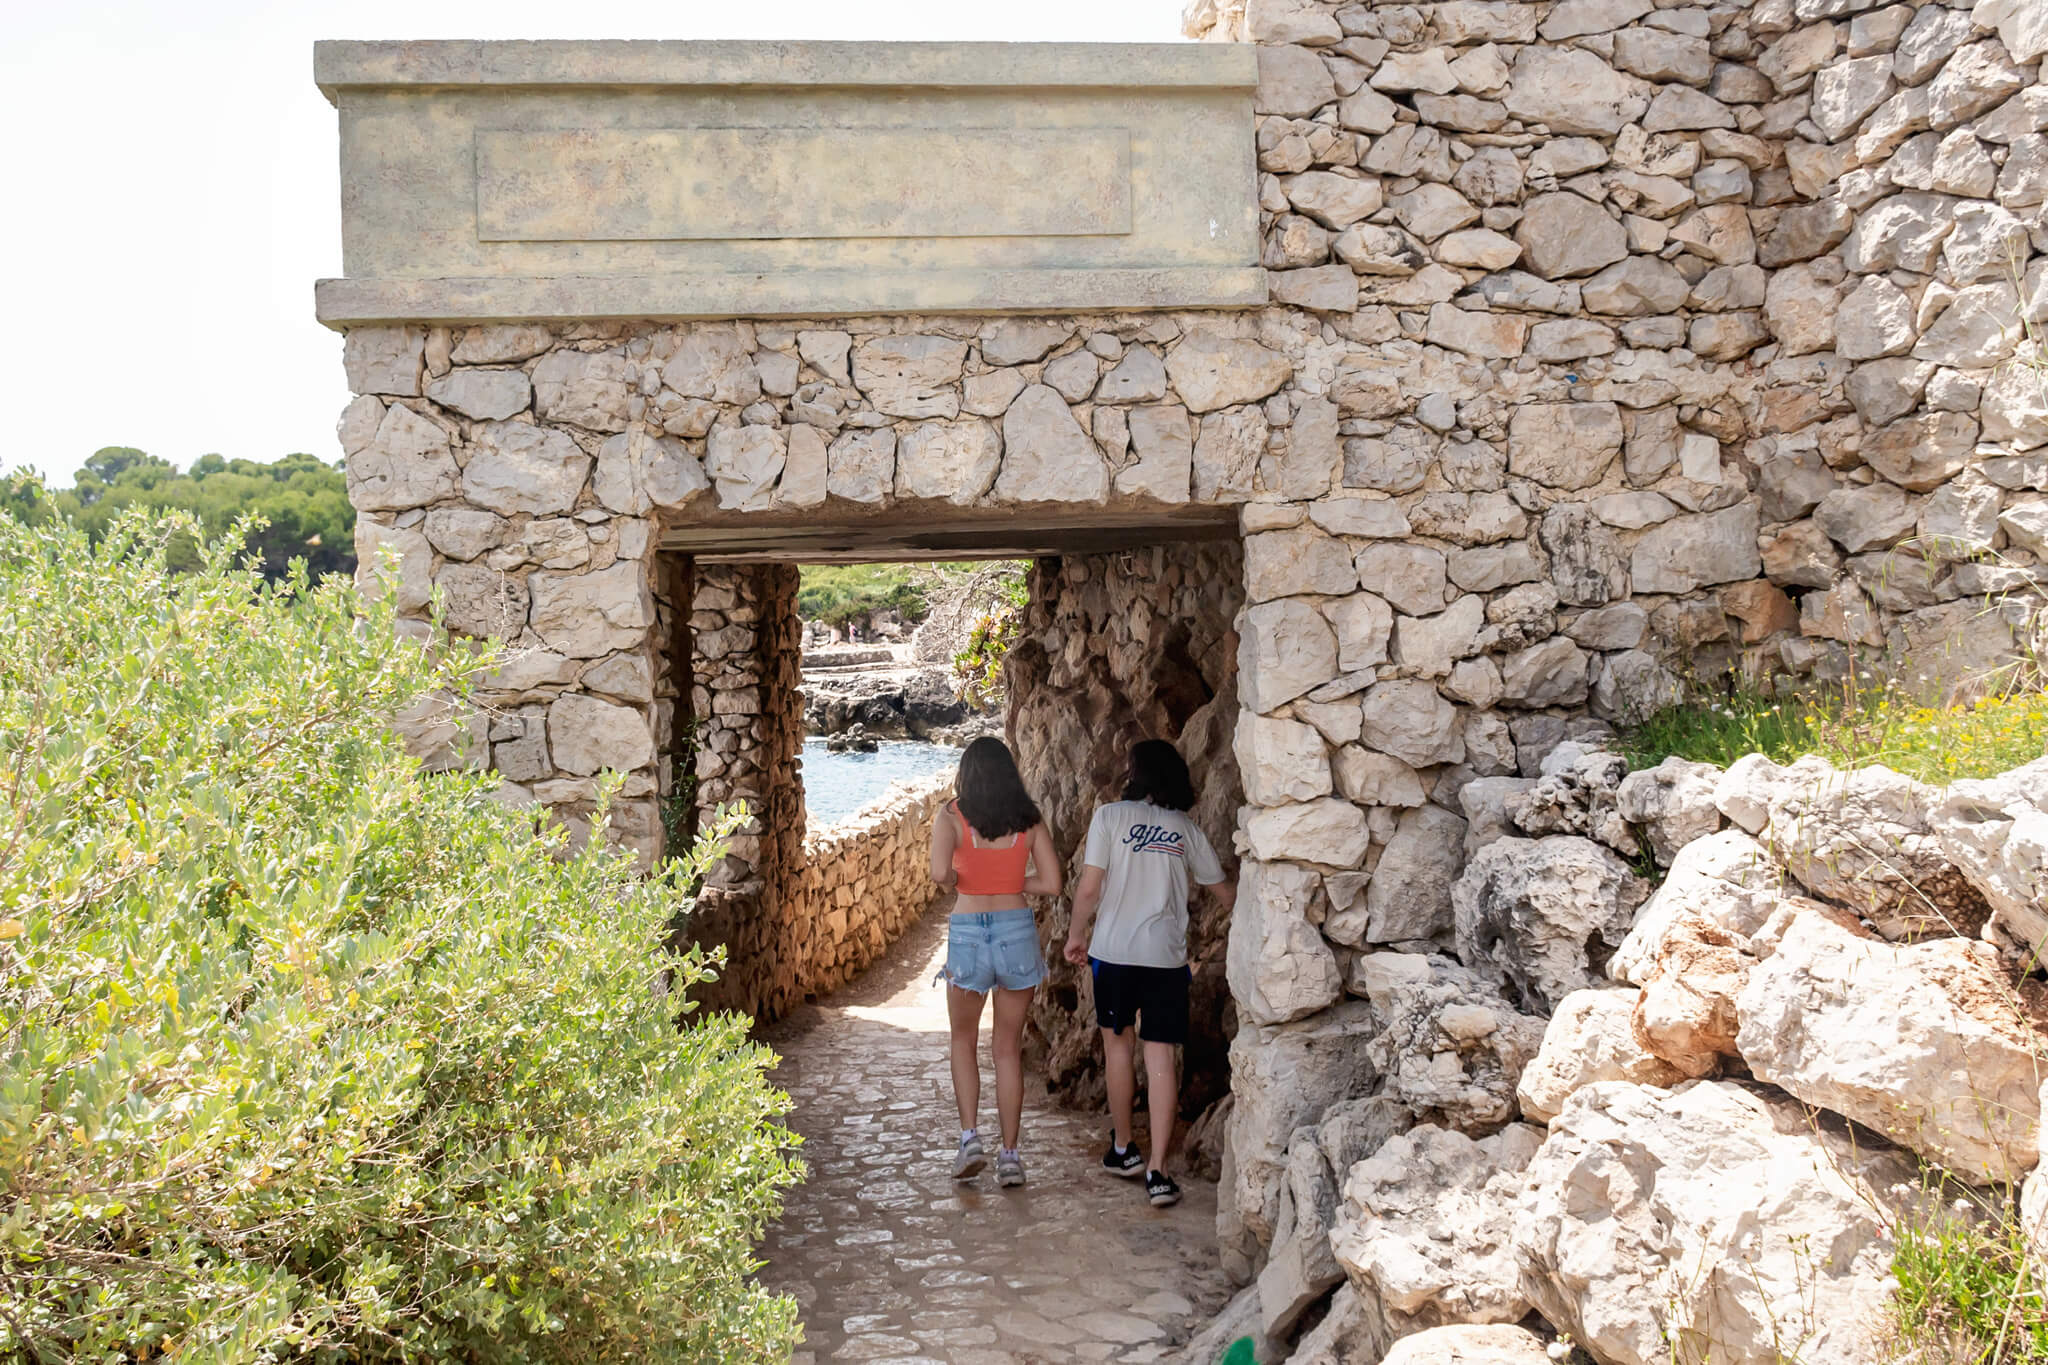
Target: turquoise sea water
(837,785)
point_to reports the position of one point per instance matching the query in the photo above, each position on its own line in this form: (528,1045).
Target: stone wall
(864,881)
(1612,342)
(1114,649)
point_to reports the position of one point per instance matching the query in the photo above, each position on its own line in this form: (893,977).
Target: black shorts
(1155,997)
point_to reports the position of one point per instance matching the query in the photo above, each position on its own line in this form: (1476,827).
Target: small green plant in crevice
(978,668)
(1968,1293)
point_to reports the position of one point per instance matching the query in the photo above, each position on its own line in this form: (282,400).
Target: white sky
(172,184)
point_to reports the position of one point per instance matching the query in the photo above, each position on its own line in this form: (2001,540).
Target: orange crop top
(988,871)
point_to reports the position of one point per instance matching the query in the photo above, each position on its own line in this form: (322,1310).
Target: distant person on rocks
(990,846)
(1142,851)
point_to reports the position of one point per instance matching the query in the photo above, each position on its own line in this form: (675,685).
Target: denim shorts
(993,948)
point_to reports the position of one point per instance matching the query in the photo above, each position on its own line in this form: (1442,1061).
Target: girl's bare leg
(963,1012)
(1011,1009)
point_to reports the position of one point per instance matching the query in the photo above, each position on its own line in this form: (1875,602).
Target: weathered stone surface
(1409,720)
(910,376)
(1564,445)
(587,735)
(637,471)
(1590,1038)
(1636,287)
(584,389)
(518,467)
(1450,1046)
(482,602)
(1299,560)
(406,464)
(1280,968)
(1046,455)
(1427,1227)
(486,395)
(1552,673)
(1995,831)
(805,468)
(711,361)
(1691,552)
(384,360)
(1409,898)
(860,466)
(1292,80)
(1227,452)
(1280,760)
(1924,1043)
(501,344)
(1564,235)
(1468,1344)
(744,463)
(956,461)
(1286,650)
(1636,1189)
(1282,1077)
(1327,833)
(1335,201)
(1673,803)
(1364,625)
(1570,90)
(1211,372)
(1869,517)
(1538,913)
(588,615)
(397,558)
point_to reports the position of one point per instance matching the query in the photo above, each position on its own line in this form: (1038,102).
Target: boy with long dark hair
(1142,852)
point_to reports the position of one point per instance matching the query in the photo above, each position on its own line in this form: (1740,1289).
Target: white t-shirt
(1148,853)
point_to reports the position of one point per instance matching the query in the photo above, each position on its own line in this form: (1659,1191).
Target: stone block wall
(1613,342)
(1114,649)
(863,882)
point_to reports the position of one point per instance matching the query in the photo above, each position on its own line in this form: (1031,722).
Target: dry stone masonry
(1608,345)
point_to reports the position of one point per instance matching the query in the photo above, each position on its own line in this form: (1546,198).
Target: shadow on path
(894,1263)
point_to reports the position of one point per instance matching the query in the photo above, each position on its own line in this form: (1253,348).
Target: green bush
(1969,1291)
(310,1056)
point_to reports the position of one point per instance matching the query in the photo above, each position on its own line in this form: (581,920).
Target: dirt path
(894,1264)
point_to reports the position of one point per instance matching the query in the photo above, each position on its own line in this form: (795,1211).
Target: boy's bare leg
(1162,1094)
(1122,1080)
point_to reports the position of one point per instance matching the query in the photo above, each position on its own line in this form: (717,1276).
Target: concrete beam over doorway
(576,181)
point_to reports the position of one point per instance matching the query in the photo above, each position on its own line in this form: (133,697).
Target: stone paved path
(894,1264)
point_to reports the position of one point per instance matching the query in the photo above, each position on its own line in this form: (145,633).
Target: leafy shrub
(838,593)
(309,1056)
(978,667)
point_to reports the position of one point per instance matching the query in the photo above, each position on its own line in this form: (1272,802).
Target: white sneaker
(970,1160)
(1009,1169)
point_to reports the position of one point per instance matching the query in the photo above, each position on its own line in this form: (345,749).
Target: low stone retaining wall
(863,882)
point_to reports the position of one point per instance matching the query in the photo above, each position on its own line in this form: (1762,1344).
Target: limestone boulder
(587,735)
(1364,625)
(1046,455)
(594,391)
(1351,1330)
(1410,720)
(1299,1269)
(1861,839)
(486,395)
(1298,560)
(860,466)
(1995,832)
(1286,649)
(1691,552)
(637,471)
(519,467)
(588,615)
(911,376)
(482,602)
(1468,1344)
(405,464)
(1590,1038)
(1210,371)
(1565,235)
(1551,673)
(1564,445)
(1726,878)
(712,361)
(1452,1047)
(394,558)
(1285,1076)
(1427,1228)
(744,464)
(1409,897)
(384,360)
(1638,1228)
(956,461)
(1672,803)
(1925,1043)
(1543,915)
(1281,760)
(1279,967)
(1327,832)
(1571,90)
